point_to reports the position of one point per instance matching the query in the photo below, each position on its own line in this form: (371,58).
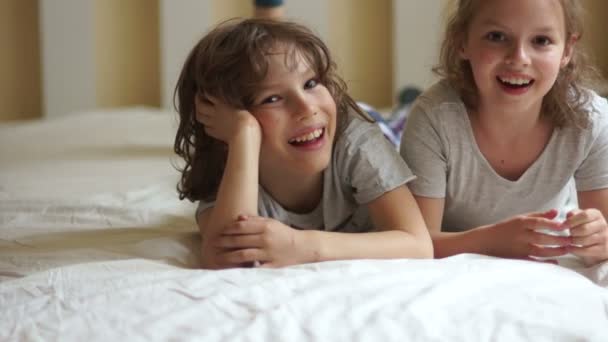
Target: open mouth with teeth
(515,82)
(309,138)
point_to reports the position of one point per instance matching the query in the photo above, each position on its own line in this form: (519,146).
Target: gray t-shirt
(439,146)
(364,165)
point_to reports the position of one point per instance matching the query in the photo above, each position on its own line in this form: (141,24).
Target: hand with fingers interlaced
(589,235)
(521,237)
(267,241)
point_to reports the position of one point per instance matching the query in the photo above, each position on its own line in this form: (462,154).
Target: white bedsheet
(90,187)
(94,245)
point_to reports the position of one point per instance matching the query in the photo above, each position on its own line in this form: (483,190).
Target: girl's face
(297,115)
(516,49)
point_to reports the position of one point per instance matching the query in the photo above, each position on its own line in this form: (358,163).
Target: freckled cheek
(270,125)
(482,62)
(483,65)
(333,117)
(266,120)
(550,63)
(487,57)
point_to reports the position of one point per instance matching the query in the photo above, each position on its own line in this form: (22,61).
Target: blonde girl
(497,142)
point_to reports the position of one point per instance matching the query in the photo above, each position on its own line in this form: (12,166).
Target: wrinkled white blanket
(463,298)
(94,245)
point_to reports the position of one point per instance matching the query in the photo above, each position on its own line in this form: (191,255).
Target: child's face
(297,115)
(516,49)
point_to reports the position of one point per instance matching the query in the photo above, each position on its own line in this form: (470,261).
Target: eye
(496,36)
(271,99)
(542,40)
(311,83)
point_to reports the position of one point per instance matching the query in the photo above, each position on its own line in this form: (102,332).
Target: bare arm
(238,189)
(237,194)
(588,226)
(512,238)
(276,244)
(447,244)
(402,233)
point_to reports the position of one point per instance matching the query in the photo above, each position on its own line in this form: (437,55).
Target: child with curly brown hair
(284,166)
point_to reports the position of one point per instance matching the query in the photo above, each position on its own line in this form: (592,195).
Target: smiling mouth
(515,82)
(308,138)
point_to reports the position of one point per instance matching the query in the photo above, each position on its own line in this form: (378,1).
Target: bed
(95,245)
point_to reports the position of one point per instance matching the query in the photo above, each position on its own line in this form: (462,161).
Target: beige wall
(20,89)
(418,30)
(127,53)
(360,36)
(597,32)
(226,9)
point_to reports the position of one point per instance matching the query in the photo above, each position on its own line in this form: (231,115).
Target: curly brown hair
(228,63)
(567,101)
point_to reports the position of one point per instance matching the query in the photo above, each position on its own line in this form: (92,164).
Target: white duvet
(94,245)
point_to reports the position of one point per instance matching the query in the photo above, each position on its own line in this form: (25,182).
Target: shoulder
(357,130)
(595,134)
(598,107)
(365,164)
(439,94)
(598,114)
(361,140)
(440,100)
(439,107)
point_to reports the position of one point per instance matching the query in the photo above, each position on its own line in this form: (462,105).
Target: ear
(198,103)
(462,51)
(569,49)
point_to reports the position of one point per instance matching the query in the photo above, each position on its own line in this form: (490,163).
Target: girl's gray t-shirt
(439,146)
(364,166)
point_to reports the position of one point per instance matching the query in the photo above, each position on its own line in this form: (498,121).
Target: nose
(303,106)
(518,54)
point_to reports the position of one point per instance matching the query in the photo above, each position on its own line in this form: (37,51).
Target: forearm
(238,190)
(591,200)
(470,241)
(324,246)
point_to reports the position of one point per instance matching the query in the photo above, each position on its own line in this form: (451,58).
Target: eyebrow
(306,74)
(491,22)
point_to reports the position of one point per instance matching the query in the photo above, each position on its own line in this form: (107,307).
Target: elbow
(425,243)
(426,247)
(421,246)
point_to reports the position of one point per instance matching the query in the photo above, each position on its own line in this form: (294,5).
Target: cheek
(482,63)
(274,134)
(333,109)
(268,122)
(329,104)
(487,58)
(550,63)
(333,118)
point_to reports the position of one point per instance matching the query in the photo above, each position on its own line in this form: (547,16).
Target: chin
(311,167)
